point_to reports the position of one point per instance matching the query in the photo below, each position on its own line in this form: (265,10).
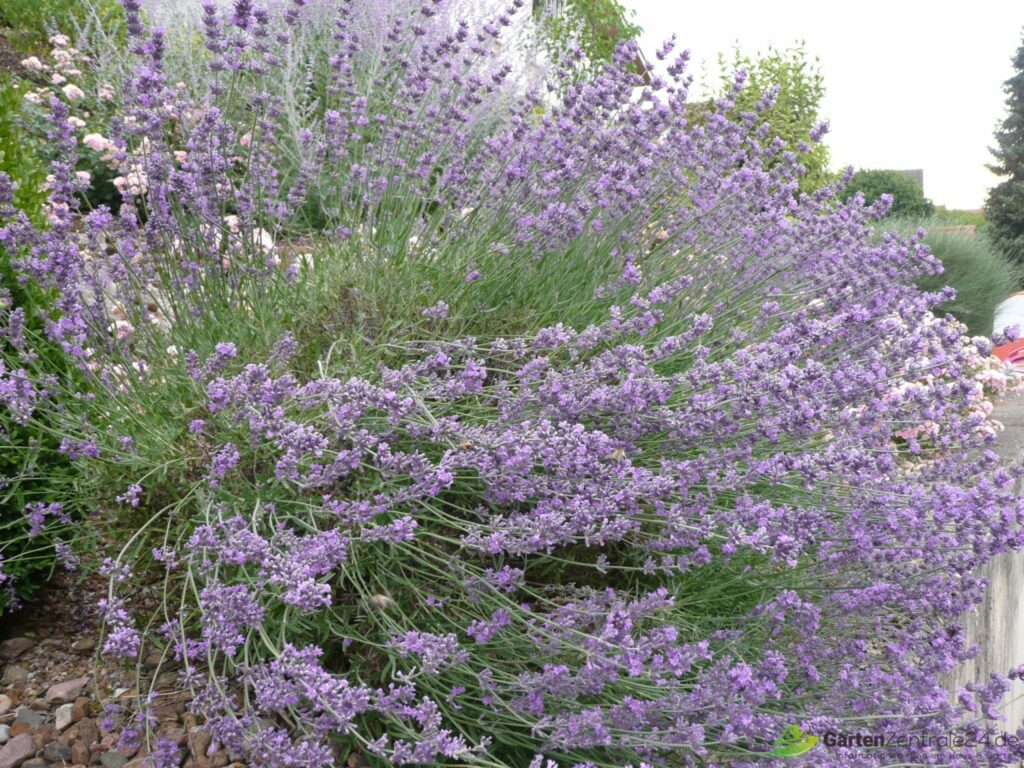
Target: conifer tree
(1005,206)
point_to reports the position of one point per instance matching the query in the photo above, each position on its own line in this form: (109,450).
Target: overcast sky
(908,84)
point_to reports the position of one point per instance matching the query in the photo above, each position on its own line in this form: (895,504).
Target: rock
(55,752)
(166,680)
(62,718)
(13,648)
(88,732)
(44,734)
(80,752)
(164,710)
(113,760)
(84,645)
(19,728)
(14,674)
(128,750)
(80,709)
(17,751)
(152,660)
(69,690)
(28,715)
(35,762)
(5,733)
(218,760)
(198,742)
(5,704)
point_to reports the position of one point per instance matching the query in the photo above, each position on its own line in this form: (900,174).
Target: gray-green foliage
(980,274)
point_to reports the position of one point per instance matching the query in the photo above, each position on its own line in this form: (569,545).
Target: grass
(30,22)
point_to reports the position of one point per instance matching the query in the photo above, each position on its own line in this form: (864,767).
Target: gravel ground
(55,692)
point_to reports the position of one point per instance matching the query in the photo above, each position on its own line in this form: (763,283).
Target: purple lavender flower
(223,462)
(438,311)
(433,651)
(131,496)
(756,398)
(231,611)
(37,512)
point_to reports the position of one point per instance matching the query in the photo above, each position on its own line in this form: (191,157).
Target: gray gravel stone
(84,645)
(14,647)
(55,752)
(14,674)
(28,715)
(63,716)
(113,759)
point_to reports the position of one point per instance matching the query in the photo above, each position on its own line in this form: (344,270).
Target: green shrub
(29,456)
(32,21)
(597,26)
(908,198)
(795,113)
(19,156)
(981,276)
(662,494)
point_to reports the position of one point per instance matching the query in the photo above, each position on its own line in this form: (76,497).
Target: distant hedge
(908,198)
(981,275)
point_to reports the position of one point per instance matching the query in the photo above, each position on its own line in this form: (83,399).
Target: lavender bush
(473,426)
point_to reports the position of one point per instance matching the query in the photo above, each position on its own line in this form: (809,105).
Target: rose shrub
(574,435)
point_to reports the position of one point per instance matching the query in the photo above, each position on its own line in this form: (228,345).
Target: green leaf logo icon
(793,742)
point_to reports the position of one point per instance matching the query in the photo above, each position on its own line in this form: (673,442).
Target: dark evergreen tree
(1005,206)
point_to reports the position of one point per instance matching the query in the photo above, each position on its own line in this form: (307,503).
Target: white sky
(908,84)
